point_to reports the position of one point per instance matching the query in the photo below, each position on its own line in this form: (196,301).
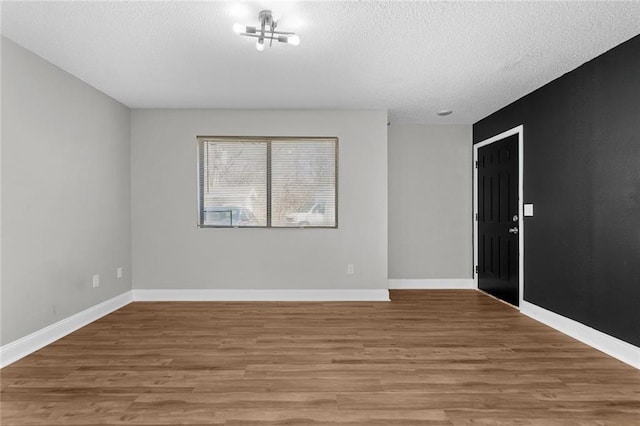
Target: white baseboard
(612,346)
(24,346)
(432,284)
(256,295)
(20,348)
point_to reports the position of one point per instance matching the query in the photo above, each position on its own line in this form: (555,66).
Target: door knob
(513,230)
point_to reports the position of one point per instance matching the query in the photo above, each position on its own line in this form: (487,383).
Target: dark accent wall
(582,173)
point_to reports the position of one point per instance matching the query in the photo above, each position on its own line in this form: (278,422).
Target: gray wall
(65,194)
(170,252)
(430,202)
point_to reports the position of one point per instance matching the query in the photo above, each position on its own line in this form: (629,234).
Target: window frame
(268,140)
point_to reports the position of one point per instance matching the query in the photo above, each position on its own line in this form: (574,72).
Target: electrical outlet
(350,269)
(119,272)
(96,281)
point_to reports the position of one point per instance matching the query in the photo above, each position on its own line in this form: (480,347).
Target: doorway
(498,230)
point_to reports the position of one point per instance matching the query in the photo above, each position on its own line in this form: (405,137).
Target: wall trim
(619,349)
(24,346)
(13,351)
(432,284)
(262,295)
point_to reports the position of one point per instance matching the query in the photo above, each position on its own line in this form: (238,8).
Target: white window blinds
(233,180)
(303,183)
(268,182)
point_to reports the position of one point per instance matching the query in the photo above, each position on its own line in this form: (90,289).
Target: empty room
(320,212)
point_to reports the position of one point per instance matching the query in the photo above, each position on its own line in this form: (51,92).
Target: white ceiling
(412,58)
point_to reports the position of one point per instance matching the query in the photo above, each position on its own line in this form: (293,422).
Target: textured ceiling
(411,58)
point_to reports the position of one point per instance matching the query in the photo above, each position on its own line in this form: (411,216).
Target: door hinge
(476,269)
(476,164)
(476,216)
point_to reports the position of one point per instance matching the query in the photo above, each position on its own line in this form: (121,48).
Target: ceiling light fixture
(444,112)
(267,31)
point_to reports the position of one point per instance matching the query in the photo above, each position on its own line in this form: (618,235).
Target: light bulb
(294,40)
(239,28)
(260,45)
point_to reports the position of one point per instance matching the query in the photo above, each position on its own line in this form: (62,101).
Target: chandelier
(266,31)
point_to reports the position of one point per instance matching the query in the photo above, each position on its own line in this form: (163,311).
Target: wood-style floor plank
(445,357)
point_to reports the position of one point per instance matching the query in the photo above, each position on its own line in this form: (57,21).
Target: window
(268,182)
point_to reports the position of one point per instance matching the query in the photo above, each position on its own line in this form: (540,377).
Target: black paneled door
(498,219)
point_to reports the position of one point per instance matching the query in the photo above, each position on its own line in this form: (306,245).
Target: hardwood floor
(438,357)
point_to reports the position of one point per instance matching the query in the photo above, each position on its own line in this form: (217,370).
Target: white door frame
(515,131)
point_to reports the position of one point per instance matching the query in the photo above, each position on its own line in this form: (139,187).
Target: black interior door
(498,219)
